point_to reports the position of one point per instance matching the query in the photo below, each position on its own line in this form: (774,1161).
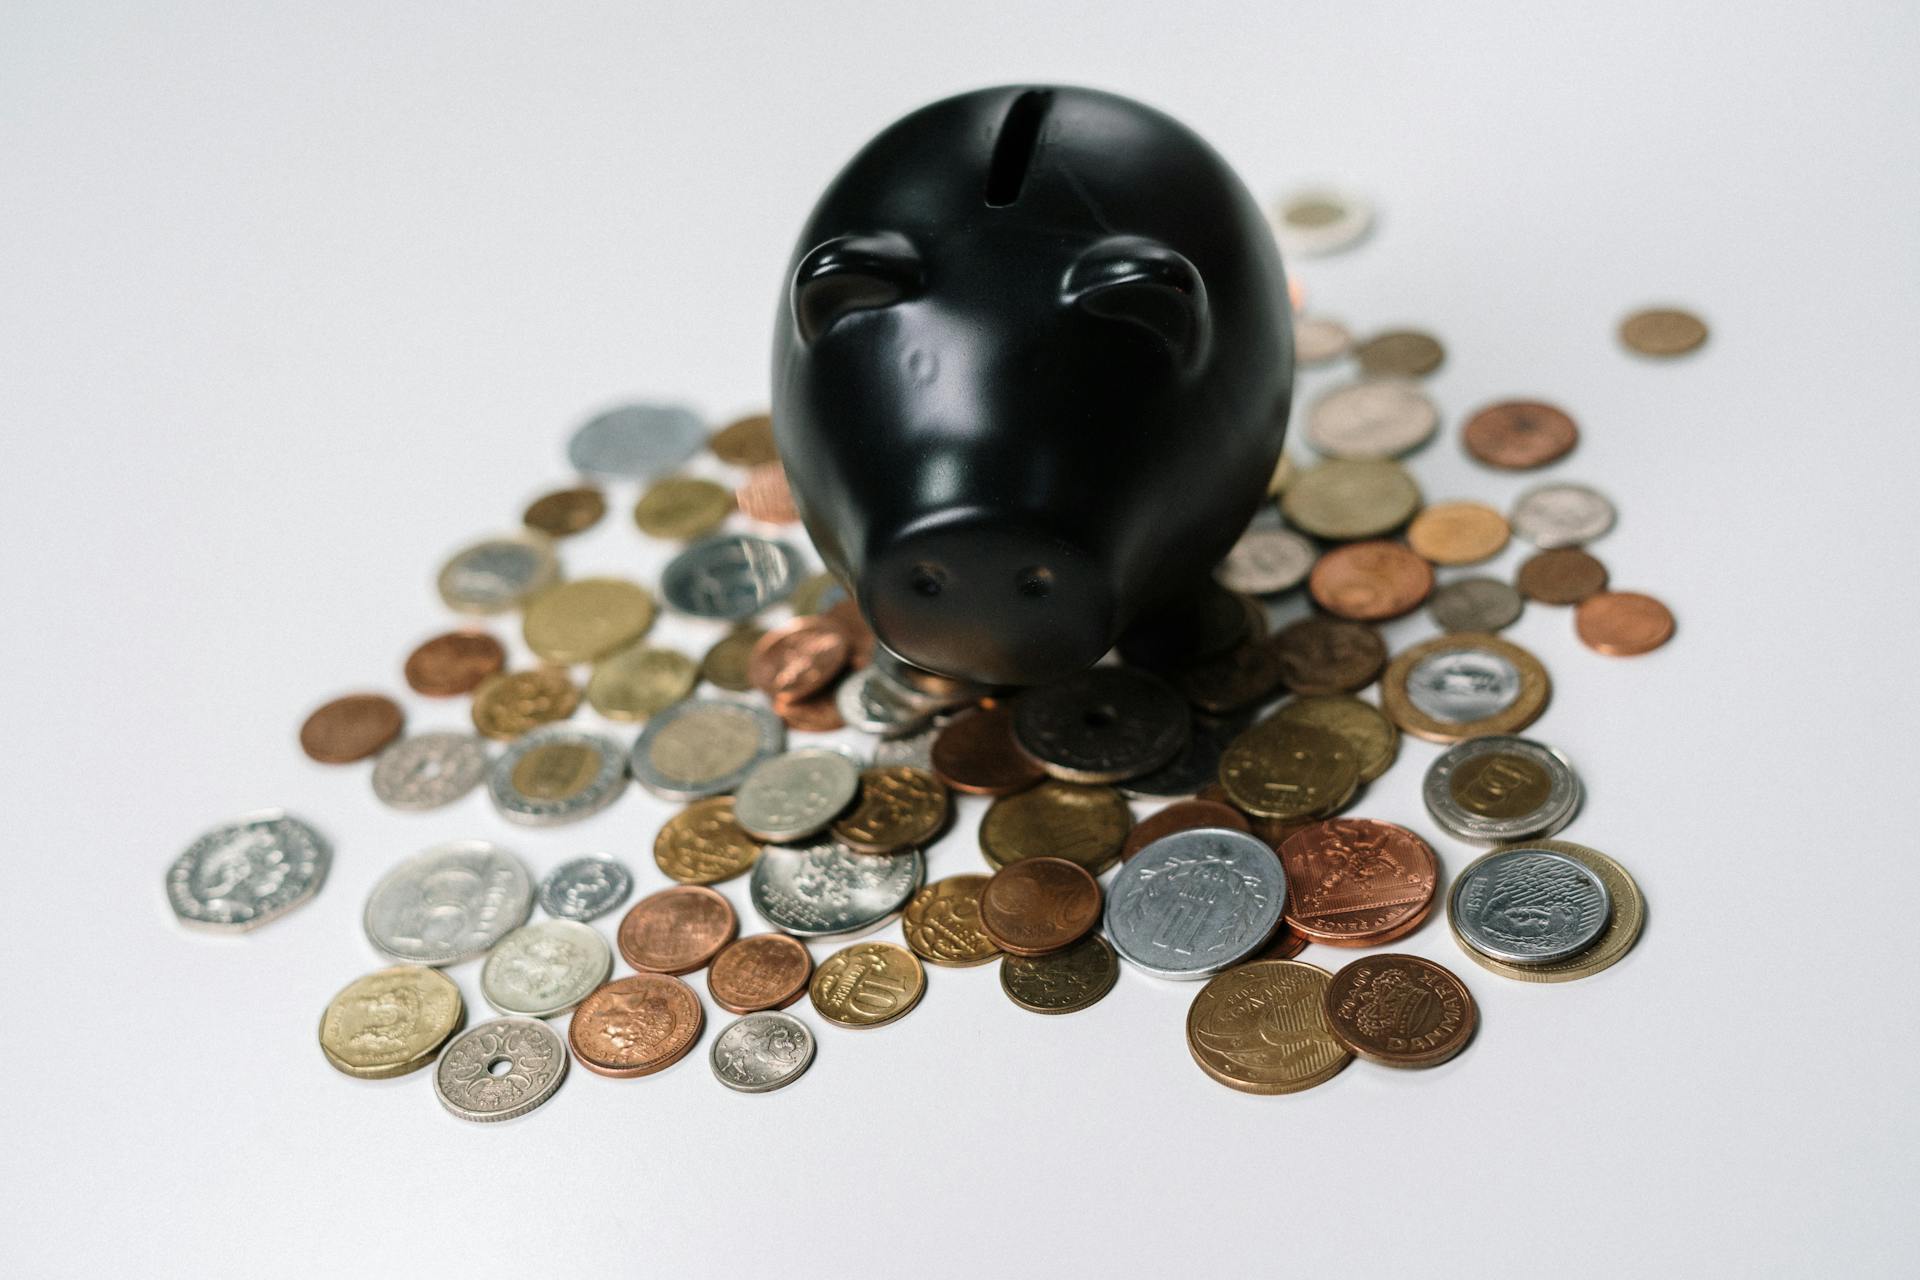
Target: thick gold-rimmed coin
(942,923)
(1464,685)
(747,442)
(725,665)
(898,806)
(563,513)
(1063,982)
(1081,823)
(638,681)
(587,619)
(1663,331)
(868,984)
(1400,1011)
(506,706)
(1458,533)
(1374,738)
(1345,499)
(391,1022)
(1623,926)
(1282,769)
(682,508)
(702,844)
(1262,1028)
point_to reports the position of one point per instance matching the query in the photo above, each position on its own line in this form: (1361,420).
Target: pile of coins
(1184,808)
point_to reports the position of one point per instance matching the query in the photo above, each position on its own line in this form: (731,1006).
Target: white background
(299,298)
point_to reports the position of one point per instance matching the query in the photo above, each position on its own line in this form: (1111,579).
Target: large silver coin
(636,441)
(429,770)
(1381,418)
(449,903)
(1501,788)
(239,876)
(542,969)
(1195,902)
(1461,686)
(1267,561)
(1103,725)
(704,747)
(498,574)
(500,1069)
(870,702)
(1561,515)
(825,890)
(730,576)
(790,797)
(1475,604)
(585,888)
(762,1052)
(557,774)
(1529,906)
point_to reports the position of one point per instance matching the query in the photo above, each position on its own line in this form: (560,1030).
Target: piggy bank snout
(989,601)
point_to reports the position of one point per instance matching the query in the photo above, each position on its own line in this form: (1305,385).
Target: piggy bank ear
(852,273)
(1143,282)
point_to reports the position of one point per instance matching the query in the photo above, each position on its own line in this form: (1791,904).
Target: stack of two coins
(1545,911)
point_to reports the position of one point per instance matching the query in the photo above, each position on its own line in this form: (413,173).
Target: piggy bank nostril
(1035,582)
(928,580)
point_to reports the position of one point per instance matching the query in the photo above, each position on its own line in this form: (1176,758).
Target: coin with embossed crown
(1062,981)
(429,770)
(1194,902)
(500,1069)
(1526,905)
(1102,725)
(868,984)
(730,576)
(1499,788)
(635,1026)
(640,681)
(449,903)
(1357,882)
(703,747)
(243,874)
(703,844)
(761,971)
(557,774)
(823,889)
(545,968)
(796,795)
(1085,825)
(1464,686)
(1623,925)
(761,1052)
(942,923)
(585,888)
(1262,1028)
(1400,1011)
(392,1022)
(636,441)
(498,574)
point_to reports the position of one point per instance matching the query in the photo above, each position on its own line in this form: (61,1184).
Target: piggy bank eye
(852,273)
(1142,282)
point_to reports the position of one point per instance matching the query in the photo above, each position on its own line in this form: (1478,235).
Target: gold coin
(588,619)
(702,844)
(565,513)
(1280,769)
(1464,685)
(682,508)
(1083,824)
(1374,738)
(1285,472)
(942,923)
(808,596)
(638,681)
(1458,533)
(391,1022)
(1262,1028)
(1400,353)
(1500,785)
(746,443)
(725,665)
(1663,331)
(1622,931)
(1063,981)
(899,806)
(509,704)
(1351,498)
(867,984)
(556,770)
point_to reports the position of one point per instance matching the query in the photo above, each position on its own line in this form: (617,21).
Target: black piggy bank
(1031,375)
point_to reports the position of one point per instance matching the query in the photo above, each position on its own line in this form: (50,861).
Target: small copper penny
(1370,581)
(351,728)
(899,807)
(635,1026)
(975,752)
(1039,905)
(798,658)
(1182,815)
(1400,1011)
(1328,655)
(1564,575)
(1663,331)
(454,663)
(763,971)
(1458,533)
(1623,623)
(765,496)
(817,713)
(1357,882)
(677,930)
(1519,435)
(565,513)
(747,442)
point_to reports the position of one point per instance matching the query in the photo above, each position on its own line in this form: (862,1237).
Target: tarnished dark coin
(1213,622)
(1103,725)
(1328,655)
(1242,677)
(1063,981)
(1197,764)
(1475,604)
(566,512)
(1562,575)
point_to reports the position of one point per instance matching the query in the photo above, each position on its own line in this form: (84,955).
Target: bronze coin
(1519,435)
(1182,815)
(1357,882)
(816,713)
(1080,823)
(1285,944)
(1399,353)
(1623,623)
(899,807)
(763,971)
(454,663)
(635,1026)
(1663,331)
(1370,581)
(765,496)
(725,665)
(1039,905)
(1400,1011)
(703,844)
(1564,575)
(565,513)
(677,930)
(799,658)
(1458,533)
(1328,655)
(351,728)
(507,705)
(745,443)
(975,752)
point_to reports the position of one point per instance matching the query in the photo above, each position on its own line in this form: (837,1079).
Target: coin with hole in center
(500,1070)
(1102,725)
(1400,1011)
(429,770)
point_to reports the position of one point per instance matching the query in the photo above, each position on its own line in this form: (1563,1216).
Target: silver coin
(762,1052)
(498,574)
(449,903)
(1267,561)
(730,576)
(636,441)
(240,875)
(1561,515)
(790,797)
(566,791)
(1460,686)
(824,889)
(1380,418)
(500,1069)
(1195,902)
(585,888)
(543,969)
(1531,788)
(1475,604)
(927,690)
(1529,906)
(915,750)
(429,770)
(704,747)
(1319,221)
(1104,725)
(1197,764)
(868,701)
(1318,340)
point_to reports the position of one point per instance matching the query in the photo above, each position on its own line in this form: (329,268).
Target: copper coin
(1328,655)
(1400,1011)
(351,728)
(677,930)
(1285,944)
(765,496)
(975,752)
(635,1026)
(565,513)
(1458,533)
(798,658)
(1039,905)
(1370,581)
(745,443)
(899,807)
(845,614)
(764,971)
(817,713)
(1519,435)
(454,663)
(1357,882)
(1182,815)
(1663,331)
(1623,623)
(1564,575)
